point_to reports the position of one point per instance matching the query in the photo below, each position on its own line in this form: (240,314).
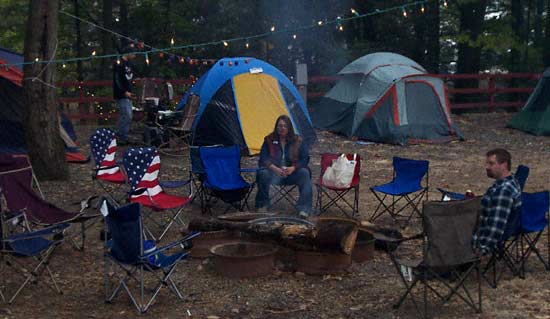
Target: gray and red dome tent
(12,138)
(386,97)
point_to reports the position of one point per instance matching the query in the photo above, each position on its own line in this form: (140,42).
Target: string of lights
(339,21)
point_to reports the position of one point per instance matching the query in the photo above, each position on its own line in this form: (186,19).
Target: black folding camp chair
(135,256)
(447,259)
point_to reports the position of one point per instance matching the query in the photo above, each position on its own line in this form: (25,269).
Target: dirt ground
(368,290)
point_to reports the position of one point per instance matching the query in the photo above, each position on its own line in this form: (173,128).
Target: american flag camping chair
(142,167)
(336,196)
(106,171)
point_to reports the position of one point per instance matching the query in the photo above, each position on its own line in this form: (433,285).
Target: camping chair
(28,255)
(107,171)
(534,220)
(447,260)
(197,175)
(406,185)
(16,179)
(176,127)
(142,168)
(522,173)
(134,256)
(223,178)
(335,194)
(507,253)
(283,192)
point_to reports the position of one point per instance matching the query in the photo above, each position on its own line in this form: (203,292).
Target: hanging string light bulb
(404,12)
(225,43)
(146,58)
(272,28)
(118,60)
(172,42)
(422,9)
(341,28)
(94,53)
(445,3)
(320,22)
(294,36)
(354,12)
(64,65)
(247,45)
(36,59)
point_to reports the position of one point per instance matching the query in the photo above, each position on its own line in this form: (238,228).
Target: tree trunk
(78,42)
(40,119)
(538,23)
(124,21)
(517,26)
(469,54)
(106,40)
(432,37)
(546,49)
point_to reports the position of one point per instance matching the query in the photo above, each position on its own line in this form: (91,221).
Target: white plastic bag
(340,173)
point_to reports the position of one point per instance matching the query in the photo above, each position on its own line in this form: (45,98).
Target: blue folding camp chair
(131,253)
(534,220)
(406,185)
(28,254)
(223,180)
(522,173)
(507,253)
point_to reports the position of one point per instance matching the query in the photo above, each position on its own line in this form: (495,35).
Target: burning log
(329,234)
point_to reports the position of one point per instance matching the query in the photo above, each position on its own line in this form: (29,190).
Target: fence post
(81,119)
(492,93)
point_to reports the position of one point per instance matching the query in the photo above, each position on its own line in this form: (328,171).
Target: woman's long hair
(289,125)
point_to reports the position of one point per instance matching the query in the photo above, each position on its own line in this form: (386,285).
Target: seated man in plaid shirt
(500,204)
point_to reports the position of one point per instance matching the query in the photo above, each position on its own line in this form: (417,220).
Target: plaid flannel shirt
(500,200)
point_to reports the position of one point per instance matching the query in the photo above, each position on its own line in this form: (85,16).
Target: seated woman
(283,160)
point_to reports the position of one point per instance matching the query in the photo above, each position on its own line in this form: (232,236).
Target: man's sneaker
(303,214)
(262,210)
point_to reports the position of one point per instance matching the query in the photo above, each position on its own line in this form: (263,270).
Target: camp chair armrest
(138,191)
(174,184)
(15,216)
(171,245)
(385,238)
(97,169)
(38,233)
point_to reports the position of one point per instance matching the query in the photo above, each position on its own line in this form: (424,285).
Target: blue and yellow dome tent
(240,99)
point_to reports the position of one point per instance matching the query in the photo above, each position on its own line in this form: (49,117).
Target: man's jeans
(300,177)
(124,118)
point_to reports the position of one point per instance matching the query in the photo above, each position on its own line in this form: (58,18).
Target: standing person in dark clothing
(123,75)
(283,160)
(501,203)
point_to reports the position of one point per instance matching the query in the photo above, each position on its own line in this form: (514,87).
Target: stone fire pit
(244,259)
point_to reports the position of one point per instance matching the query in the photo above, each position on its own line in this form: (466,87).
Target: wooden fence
(92,100)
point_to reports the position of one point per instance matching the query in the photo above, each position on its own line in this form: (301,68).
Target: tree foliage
(512,34)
